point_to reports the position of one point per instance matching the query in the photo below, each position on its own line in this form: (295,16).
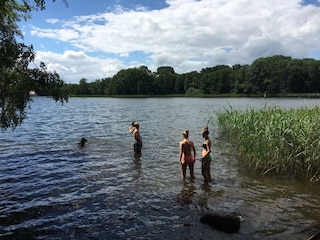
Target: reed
(274,140)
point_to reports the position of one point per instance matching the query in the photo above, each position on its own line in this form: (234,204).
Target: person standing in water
(134,129)
(186,157)
(205,156)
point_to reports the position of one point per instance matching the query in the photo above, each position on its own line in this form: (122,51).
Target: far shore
(287,95)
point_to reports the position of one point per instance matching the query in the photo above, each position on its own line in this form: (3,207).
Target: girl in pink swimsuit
(186,157)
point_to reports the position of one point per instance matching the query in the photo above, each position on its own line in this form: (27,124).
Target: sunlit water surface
(49,189)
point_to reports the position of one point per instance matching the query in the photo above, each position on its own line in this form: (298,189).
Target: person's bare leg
(191,168)
(205,174)
(183,170)
(203,170)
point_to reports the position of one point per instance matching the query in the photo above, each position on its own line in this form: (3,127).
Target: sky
(96,39)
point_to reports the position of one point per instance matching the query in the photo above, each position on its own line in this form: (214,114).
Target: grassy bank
(273,140)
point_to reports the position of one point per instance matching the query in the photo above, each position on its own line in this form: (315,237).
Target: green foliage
(269,76)
(17,79)
(276,140)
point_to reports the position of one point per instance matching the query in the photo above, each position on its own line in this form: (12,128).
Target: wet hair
(185,133)
(205,130)
(135,124)
(82,142)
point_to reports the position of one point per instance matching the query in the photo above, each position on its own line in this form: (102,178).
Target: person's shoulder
(183,142)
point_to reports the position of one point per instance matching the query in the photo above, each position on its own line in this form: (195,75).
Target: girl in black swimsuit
(206,158)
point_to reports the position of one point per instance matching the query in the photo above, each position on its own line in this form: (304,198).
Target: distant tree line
(271,75)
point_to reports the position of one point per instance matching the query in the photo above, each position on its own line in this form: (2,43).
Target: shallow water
(50,189)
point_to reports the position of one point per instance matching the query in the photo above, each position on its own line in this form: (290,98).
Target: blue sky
(96,39)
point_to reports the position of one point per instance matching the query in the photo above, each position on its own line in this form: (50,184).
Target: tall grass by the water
(268,140)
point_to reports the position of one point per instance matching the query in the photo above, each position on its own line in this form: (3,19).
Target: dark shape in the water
(82,142)
(225,222)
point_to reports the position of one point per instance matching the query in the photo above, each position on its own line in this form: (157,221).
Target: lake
(50,189)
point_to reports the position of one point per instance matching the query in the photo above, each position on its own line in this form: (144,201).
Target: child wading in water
(134,129)
(186,158)
(206,158)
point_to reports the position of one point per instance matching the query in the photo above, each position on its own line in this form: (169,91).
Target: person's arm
(135,136)
(194,152)
(131,129)
(180,146)
(208,149)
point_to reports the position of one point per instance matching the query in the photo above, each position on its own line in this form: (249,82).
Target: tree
(83,87)
(166,78)
(16,78)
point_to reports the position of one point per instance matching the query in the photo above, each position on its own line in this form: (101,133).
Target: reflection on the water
(186,194)
(137,165)
(51,190)
(205,194)
(194,195)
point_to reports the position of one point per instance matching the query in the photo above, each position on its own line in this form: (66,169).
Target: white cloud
(58,34)
(188,35)
(52,20)
(124,54)
(73,66)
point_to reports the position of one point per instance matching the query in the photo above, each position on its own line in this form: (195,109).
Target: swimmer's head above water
(82,142)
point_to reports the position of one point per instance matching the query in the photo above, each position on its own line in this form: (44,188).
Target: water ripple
(49,189)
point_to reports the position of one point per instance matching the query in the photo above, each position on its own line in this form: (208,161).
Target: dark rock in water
(225,222)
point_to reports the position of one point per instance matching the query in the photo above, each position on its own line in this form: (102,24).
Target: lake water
(50,189)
